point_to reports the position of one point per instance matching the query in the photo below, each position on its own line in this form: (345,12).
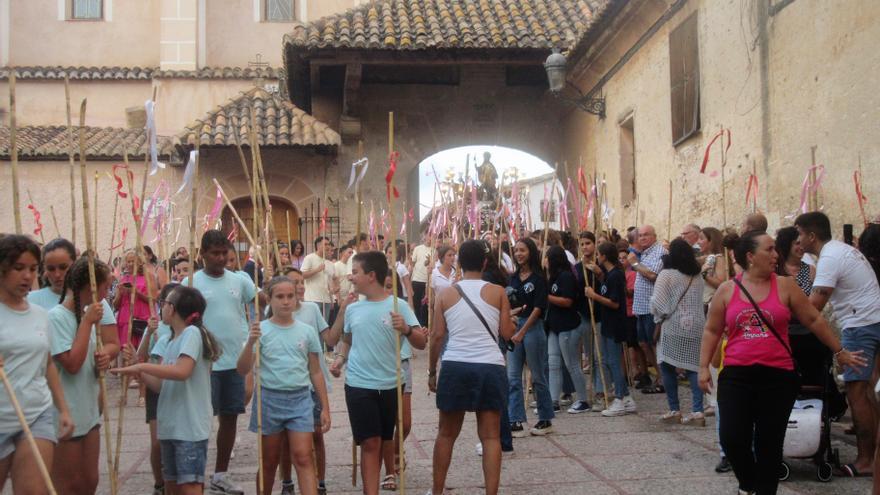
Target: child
(74,349)
(184,382)
(289,354)
(24,356)
(371,328)
(227,295)
(308,313)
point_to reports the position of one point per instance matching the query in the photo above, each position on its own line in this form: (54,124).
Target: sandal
(850,471)
(654,389)
(389,482)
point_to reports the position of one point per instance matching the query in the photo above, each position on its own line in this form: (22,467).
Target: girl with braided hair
(73,344)
(24,356)
(184,382)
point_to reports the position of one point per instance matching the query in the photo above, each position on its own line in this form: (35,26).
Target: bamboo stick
(13,153)
(95,220)
(192,219)
(55,221)
(402,484)
(814,191)
(70,147)
(669,215)
(94,288)
(44,473)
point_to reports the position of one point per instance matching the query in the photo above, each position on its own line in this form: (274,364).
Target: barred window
(86,9)
(279,10)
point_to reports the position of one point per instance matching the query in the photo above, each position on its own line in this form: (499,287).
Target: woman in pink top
(758,385)
(122,301)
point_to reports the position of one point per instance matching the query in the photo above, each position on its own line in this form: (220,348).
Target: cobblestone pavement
(587,454)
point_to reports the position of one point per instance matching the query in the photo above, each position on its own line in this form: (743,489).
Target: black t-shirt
(614,320)
(560,319)
(532,292)
(582,305)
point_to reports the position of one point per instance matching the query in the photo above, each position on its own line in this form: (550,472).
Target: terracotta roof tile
(51,142)
(279,122)
(447,24)
(139,73)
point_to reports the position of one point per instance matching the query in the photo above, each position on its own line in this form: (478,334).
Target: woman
(562,323)
(297,254)
(758,384)
(713,266)
(612,306)
(160,275)
(443,274)
(869,245)
(137,282)
(677,306)
(530,289)
(24,356)
(403,277)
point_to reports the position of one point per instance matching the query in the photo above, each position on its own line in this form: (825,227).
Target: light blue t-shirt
(47,299)
(80,389)
(372,361)
(24,347)
(184,409)
(284,354)
(225,315)
(310,314)
(159,342)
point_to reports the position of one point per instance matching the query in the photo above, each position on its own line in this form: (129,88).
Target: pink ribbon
(153,199)
(215,210)
(807,188)
(752,188)
(38,226)
(860,197)
(709,148)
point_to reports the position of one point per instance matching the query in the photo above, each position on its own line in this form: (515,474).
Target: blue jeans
(670,383)
(532,350)
(613,366)
(564,359)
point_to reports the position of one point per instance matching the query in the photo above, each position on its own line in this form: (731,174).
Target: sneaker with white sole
(517,430)
(288,488)
(629,404)
(222,486)
(542,428)
(671,417)
(615,409)
(579,407)
(565,400)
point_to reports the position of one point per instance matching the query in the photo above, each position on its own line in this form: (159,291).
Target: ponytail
(190,305)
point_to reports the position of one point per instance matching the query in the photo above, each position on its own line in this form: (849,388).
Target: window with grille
(279,10)
(86,9)
(684,77)
(548,212)
(627,161)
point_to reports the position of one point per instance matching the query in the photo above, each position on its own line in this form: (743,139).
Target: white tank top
(469,342)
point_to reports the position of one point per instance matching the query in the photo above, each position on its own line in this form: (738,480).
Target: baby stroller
(809,431)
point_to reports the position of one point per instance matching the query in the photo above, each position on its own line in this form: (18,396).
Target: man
(369,329)
(342,272)
(646,266)
(318,273)
(691,234)
(421,258)
(471,355)
(226,294)
(845,279)
(754,222)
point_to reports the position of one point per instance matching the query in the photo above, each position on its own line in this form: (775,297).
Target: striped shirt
(651,259)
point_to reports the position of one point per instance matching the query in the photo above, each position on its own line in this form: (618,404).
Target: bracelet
(838,352)
(340,355)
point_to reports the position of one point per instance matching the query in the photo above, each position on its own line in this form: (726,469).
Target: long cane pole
(596,343)
(70,147)
(13,152)
(402,484)
(44,472)
(94,287)
(194,189)
(55,221)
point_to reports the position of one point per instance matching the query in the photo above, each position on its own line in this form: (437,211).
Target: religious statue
(488,176)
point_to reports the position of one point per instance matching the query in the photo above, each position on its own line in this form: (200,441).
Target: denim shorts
(865,339)
(184,462)
(645,328)
(43,427)
(471,387)
(227,393)
(316,411)
(291,410)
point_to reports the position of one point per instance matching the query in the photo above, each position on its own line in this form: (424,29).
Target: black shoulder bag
(507,345)
(767,324)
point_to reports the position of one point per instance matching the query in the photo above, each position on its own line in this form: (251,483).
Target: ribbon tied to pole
(709,147)
(38,227)
(155,164)
(392,168)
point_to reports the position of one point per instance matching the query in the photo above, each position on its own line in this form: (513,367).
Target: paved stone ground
(587,454)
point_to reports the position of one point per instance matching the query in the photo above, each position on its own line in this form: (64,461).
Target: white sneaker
(615,409)
(479,449)
(223,486)
(629,404)
(579,407)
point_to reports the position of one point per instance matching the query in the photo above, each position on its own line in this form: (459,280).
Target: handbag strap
(763,319)
(476,311)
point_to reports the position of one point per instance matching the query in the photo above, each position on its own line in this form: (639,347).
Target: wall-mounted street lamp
(555,67)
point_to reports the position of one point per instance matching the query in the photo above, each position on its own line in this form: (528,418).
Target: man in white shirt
(846,280)
(421,258)
(319,273)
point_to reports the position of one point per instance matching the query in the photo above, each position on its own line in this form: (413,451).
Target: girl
(122,302)
(184,382)
(73,347)
(24,356)
(403,275)
(289,354)
(444,272)
(530,287)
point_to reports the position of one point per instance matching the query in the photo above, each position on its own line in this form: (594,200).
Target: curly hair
(681,257)
(77,279)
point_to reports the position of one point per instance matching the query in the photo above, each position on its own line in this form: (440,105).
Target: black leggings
(421,310)
(755,403)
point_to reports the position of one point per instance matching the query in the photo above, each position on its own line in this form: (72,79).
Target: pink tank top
(748,342)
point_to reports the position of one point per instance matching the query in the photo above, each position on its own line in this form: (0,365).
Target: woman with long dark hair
(297,253)
(529,287)
(562,322)
(677,306)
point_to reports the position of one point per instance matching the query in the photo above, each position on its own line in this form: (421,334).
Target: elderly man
(691,234)
(845,279)
(647,265)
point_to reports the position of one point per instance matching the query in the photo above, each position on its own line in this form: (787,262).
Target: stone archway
(282,210)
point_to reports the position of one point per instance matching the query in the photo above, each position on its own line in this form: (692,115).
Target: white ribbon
(352,180)
(155,164)
(188,173)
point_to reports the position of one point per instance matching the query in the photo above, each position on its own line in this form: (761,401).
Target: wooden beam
(351,93)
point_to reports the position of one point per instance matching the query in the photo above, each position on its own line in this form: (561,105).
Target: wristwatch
(636,264)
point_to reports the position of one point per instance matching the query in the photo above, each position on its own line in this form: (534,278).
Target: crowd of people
(515,322)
